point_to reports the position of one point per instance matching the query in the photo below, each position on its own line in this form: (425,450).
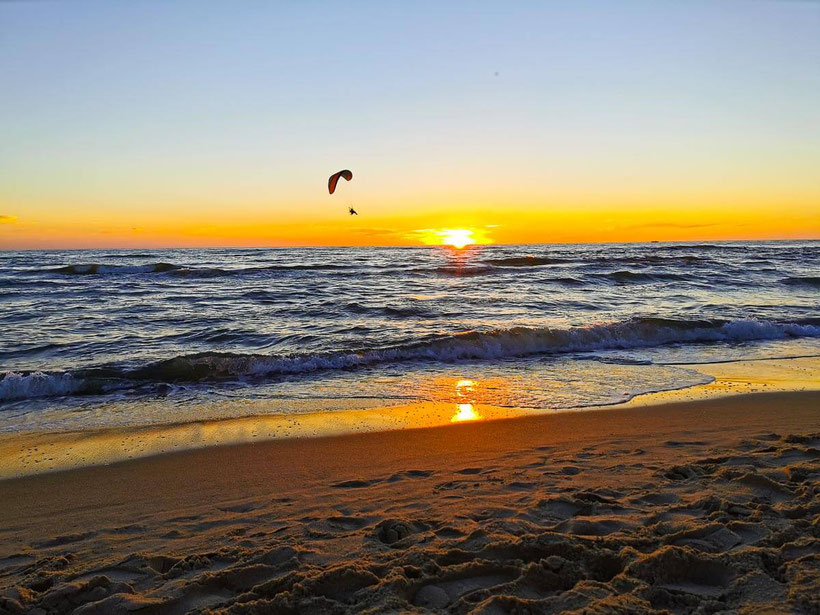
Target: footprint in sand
(346,523)
(469,471)
(353,484)
(392,531)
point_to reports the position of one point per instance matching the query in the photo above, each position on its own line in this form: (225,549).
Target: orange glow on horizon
(249,226)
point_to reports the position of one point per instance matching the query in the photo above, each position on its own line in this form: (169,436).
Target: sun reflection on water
(464,387)
(465,394)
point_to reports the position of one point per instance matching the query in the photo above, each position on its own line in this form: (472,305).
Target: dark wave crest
(802,280)
(625,276)
(524,261)
(98,269)
(182,270)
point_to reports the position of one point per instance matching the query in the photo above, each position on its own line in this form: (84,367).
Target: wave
(524,261)
(567,281)
(97,269)
(32,350)
(648,259)
(387,310)
(625,276)
(802,280)
(475,345)
(180,270)
(130,255)
(22,385)
(709,246)
(462,270)
(622,276)
(596,261)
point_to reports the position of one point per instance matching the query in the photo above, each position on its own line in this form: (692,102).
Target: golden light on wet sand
(465,412)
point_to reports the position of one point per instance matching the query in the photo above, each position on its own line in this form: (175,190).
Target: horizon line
(428,246)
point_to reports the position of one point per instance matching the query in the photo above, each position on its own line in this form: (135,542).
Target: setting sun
(458,237)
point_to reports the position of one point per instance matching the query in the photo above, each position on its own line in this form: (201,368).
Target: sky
(170,124)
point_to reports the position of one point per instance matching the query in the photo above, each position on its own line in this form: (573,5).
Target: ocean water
(130,337)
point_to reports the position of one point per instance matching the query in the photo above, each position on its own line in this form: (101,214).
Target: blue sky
(201,105)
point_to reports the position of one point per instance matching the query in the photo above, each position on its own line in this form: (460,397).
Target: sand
(705,506)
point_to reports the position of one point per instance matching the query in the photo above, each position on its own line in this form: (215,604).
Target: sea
(94,339)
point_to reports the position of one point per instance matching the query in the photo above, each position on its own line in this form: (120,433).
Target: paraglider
(334,179)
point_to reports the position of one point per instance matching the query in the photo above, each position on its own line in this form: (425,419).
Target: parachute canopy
(333,180)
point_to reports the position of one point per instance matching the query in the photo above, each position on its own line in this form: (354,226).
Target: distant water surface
(128,337)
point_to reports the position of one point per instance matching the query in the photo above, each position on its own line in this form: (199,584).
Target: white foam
(37,384)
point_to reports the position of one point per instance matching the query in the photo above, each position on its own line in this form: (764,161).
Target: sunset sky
(208,124)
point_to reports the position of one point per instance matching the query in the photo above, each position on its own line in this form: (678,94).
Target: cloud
(7,219)
(373,232)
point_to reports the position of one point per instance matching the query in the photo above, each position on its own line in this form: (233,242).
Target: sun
(457,237)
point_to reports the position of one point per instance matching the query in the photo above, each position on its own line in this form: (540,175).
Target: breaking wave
(476,345)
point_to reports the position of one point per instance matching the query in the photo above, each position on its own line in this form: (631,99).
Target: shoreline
(36,453)
(682,417)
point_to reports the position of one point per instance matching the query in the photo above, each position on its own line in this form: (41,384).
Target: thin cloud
(373,232)
(4,219)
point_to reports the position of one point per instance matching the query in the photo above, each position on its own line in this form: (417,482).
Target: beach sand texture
(700,507)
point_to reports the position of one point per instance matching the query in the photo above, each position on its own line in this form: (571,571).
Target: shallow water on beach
(121,338)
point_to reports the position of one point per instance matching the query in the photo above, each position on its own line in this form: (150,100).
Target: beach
(699,506)
(458,308)
(498,429)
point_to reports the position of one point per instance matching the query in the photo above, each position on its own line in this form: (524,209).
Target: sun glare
(457,237)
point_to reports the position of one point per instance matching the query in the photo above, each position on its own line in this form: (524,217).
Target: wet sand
(702,506)
(35,453)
